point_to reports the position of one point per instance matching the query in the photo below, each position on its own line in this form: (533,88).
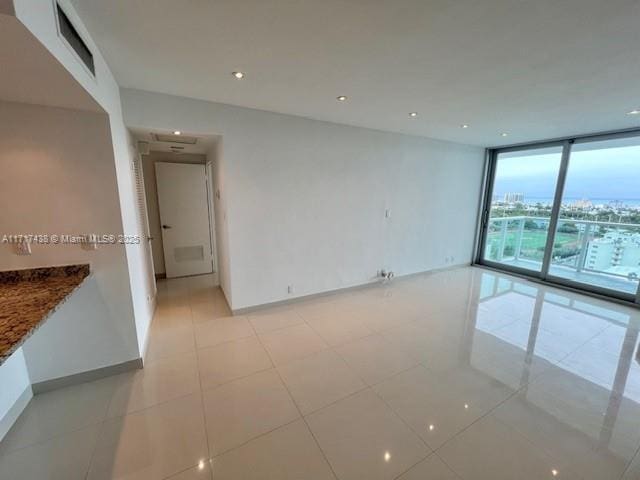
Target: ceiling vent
(74,40)
(160,137)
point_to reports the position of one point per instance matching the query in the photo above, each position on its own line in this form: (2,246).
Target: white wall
(221,227)
(151,193)
(58,177)
(38,16)
(304,201)
(14,379)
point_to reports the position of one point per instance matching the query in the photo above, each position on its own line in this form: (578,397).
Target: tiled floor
(464,374)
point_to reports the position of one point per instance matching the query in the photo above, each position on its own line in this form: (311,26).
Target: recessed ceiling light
(464,125)
(341,98)
(635,111)
(177,132)
(413,114)
(238,75)
(504,134)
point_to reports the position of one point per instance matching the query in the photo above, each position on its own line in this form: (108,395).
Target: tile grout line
(449,466)
(299,411)
(246,442)
(397,415)
(629,463)
(204,412)
(99,434)
(489,412)
(66,432)
(369,386)
(201,394)
(544,373)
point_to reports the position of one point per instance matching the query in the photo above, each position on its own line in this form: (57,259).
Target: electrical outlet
(290,289)
(387,213)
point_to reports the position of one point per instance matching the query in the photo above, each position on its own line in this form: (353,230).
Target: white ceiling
(534,68)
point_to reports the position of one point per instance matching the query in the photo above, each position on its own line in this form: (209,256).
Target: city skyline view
(611,174)
(596,237)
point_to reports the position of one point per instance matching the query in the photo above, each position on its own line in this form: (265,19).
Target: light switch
(387,213)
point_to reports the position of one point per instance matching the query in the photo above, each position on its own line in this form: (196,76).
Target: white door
(184,217)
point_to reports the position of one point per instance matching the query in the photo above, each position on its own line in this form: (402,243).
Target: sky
(609,173)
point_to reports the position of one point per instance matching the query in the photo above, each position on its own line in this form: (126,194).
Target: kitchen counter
(29,297)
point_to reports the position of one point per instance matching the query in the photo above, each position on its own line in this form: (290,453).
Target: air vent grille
(73,38)
(175,139)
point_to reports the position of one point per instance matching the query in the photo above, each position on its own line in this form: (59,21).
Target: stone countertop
(28,297)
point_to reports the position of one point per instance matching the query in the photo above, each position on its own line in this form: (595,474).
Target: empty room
(319,240)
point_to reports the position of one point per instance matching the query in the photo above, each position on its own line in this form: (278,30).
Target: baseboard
(83,377)
(14,412)
(359,286)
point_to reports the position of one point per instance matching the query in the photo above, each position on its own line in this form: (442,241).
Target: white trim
(360,286)
(88,376)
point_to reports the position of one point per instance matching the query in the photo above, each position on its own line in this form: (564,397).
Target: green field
(533,243)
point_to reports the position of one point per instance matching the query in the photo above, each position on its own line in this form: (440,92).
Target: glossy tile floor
(464,374)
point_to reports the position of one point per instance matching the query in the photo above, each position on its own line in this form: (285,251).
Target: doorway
(176,191)
(184,219)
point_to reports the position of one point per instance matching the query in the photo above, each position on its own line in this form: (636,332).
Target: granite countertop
(28,297)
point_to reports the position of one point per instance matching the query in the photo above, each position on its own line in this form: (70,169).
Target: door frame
(211,252)
(543,276)
(212,219)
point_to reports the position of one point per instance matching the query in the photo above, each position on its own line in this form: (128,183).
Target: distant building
(513,197)
(582,204)
(617,252)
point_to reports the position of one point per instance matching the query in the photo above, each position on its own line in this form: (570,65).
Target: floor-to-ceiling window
(521,203)
(567,212)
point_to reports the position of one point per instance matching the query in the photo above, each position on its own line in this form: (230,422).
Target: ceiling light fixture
(413,114)
(177,132)
(504,134)
(238,75)
(341,98)
(635,111)
(464,125)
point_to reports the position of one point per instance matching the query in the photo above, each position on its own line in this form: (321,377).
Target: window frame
(491,160)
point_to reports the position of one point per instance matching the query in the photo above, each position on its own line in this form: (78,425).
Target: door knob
(166,226)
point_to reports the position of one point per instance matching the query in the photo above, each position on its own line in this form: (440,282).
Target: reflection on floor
(459,374)
(617,283)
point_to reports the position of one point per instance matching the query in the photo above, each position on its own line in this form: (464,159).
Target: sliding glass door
(597,238)
(567,212)
(522,198)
